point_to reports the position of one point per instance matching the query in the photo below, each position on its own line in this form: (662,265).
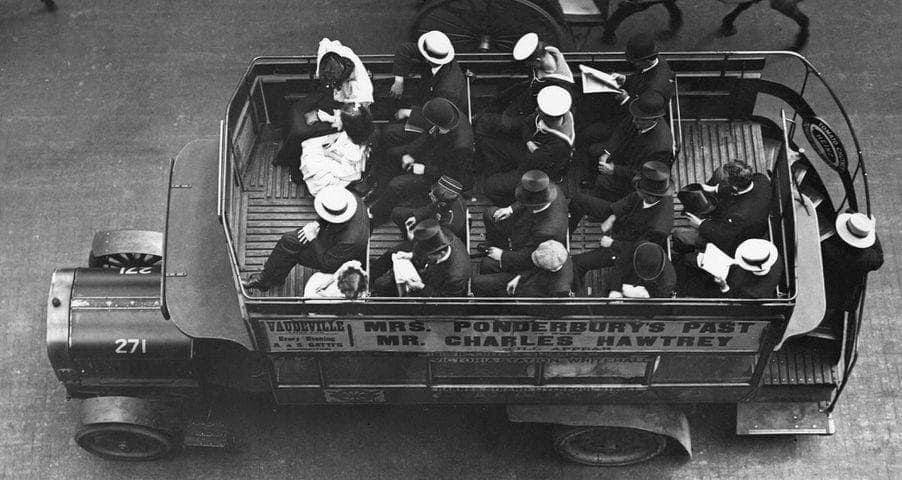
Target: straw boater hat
(535,189)
(856,229)
(654,179)
(436,47)
(756,255)
(554,101)
(640,47)
(335,204)
(648,261)
(550,255)
(442,113)
(528,47)
(428,238)
(649,106)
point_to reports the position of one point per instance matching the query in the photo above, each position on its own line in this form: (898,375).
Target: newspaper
(596,81)
(715,261)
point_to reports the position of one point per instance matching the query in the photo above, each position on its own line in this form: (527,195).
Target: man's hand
(615,294)
(623,96)
(308,233)
(513,284)
(605,167)
(397,88)
(694,221)
(608,224)
(403,113)
(495,253)
(619,78)
(531,146)
(502,214)
(402,255)
(407,161)
(415,285)
(721,284)
(408,225)
(311,117)
(606,241)
(417,168)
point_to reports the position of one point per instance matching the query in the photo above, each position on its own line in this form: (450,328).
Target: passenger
(349,281)
(550,275)
(409,170)
(644,136)
(443,203)
(432,57)
(646,273)
(338,159)
(542,141)
(343,80)
(513,233)
(848,255)
(755,273)
(645,214)
(743,204)
(439,257)
(339,234)
(547,67)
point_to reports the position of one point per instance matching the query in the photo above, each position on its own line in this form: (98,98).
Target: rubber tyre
(124,441)
(607,446)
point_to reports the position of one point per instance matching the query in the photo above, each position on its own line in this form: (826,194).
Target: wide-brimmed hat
(335,204)
(641,46)
(447,188)
(442,113)
(648,260)
(436,47)
(528,47)
(696,200)
(550,255)
(654,179)
(535,189)
(554,101)
(428,237)
(856,229)
(756,255)
(649,106)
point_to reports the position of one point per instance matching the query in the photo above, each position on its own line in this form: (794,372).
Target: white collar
(653,125)
(747,189)
(435,69)
(542,209)
(649,205)
(444,257)
(653,65)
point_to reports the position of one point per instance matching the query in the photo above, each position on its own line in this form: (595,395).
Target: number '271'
(131,345)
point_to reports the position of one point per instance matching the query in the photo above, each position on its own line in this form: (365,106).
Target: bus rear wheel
(607,446)
(124,441)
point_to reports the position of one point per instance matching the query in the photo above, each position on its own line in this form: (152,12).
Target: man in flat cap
(550,275)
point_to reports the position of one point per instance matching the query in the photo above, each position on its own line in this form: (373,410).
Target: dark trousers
(491,281)
(499,152)
(288,252)
(497,234)
(582,205)
(297,131)
(400,189)
(592,260)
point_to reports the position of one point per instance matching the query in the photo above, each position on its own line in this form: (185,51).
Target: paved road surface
(96,97)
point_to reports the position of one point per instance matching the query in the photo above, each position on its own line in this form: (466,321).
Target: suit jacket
(845,270)
(657,79)
(630,149)
(745,284)
(449,278)
(739,217)
(452,215)
(542,283)
(337,243)
(448,82)
(529,229)
(555,146)
(449,154)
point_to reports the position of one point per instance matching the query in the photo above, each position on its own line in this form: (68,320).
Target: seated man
(513,233)
(645,214)
(339,234)
(409,170)
(550,275)
(344,81)
(646,273)
(755,272)
(542,141)
(432,58)
(743,204)
(337,159)
(440,258)
(443,203)
(609,167)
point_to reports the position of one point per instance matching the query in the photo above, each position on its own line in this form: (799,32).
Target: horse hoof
(727,30)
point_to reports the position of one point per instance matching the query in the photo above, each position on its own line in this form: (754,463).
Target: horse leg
(624,10)
(790,8)
(727,28)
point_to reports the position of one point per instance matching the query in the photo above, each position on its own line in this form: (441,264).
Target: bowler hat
(428,237)
(550,255)
(447,188)
(695,200)
(756,255)
(648,260)
(649,106)
(641,46)
(554,101)
(856,229)
(535,189)
(335,204)
(654,179)
(528,47)
(442,113)
(436,47)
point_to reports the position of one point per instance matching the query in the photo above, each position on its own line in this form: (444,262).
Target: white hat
(436,47)
(554,101)
(335,204)
(526,46)
(756,255)
(856,229)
